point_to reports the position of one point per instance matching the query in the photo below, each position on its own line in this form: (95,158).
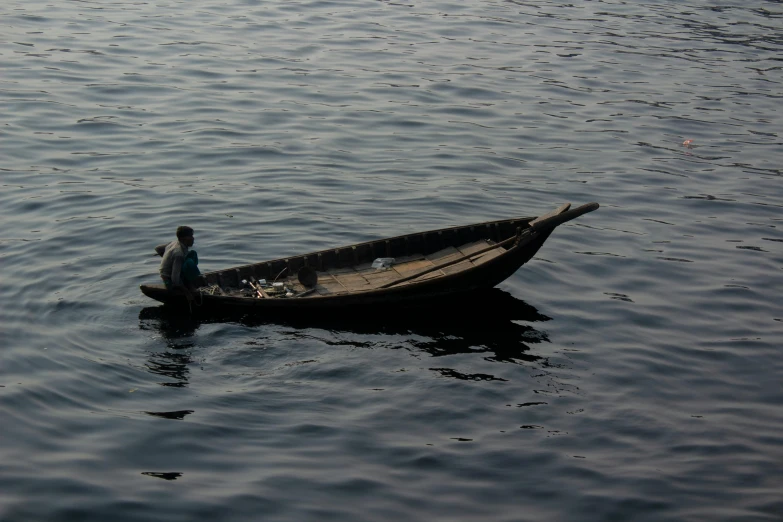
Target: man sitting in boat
(179,266)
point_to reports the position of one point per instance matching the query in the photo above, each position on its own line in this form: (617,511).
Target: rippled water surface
(632,370)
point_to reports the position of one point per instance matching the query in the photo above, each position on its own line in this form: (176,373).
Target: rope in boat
(211,290)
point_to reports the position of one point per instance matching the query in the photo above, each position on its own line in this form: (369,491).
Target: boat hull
(528,236)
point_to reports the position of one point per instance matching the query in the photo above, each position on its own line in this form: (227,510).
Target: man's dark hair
(184,232)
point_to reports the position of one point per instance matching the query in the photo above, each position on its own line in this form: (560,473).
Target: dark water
(634,374)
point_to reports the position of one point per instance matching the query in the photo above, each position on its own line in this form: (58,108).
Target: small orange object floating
(687,143)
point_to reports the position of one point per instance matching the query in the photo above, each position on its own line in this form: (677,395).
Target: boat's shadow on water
(490,321)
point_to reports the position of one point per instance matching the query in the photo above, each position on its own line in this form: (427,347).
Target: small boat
(395,272)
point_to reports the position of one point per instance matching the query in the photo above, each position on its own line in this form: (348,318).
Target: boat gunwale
(524,223)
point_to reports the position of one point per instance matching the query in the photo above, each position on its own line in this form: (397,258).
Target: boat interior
(355,268)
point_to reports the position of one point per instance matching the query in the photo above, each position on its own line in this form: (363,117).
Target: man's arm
(176,270)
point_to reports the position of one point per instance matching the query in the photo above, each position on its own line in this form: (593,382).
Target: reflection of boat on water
(485,321)
(391,272)
(176,330)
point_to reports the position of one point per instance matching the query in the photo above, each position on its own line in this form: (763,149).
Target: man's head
(185,235)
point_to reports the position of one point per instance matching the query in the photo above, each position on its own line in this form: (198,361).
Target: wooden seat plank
(352,282)
(327,284)
(475,246)
(441,256)
(412,267)
(380,277)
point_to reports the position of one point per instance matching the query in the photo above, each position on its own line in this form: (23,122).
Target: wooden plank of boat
(353,282)
(428,264)
(446,254)
(556,212)
(410,267)
(328,284)
(474,247)
(455,265)
(551,219)
(377,278)
(486,256)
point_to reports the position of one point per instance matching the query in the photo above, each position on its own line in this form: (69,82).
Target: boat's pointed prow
(558,217)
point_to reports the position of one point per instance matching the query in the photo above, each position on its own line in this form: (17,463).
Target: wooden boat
(426,266)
